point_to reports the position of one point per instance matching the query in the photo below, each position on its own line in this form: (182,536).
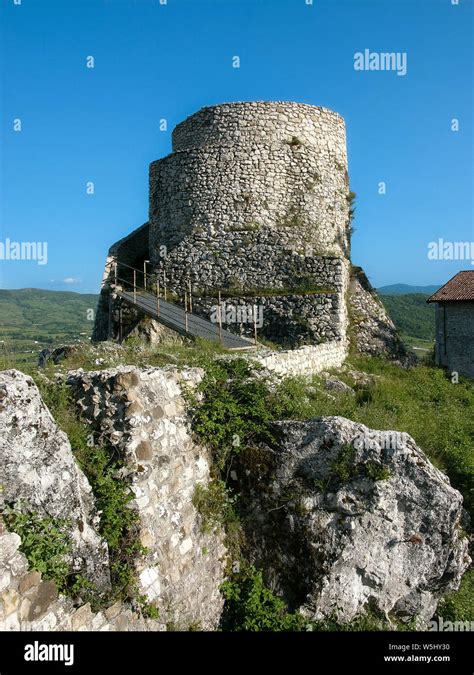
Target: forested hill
(411,314)
(33,318)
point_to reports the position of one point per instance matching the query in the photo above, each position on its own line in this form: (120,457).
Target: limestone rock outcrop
(373,331)
(38,473)
(343,519)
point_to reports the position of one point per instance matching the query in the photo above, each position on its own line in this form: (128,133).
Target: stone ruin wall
(254,199)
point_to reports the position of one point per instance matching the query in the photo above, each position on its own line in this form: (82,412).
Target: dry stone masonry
(30,603)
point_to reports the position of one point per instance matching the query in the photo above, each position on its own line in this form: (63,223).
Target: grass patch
(133,351)
(344,466)
(294,142)
(251,606)
(233,410)
(459,605)
(376,471)
(236,411)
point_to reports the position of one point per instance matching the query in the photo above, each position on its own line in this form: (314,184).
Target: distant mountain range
(405,289)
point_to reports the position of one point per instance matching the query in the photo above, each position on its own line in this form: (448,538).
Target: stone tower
(251,180)
(253,203)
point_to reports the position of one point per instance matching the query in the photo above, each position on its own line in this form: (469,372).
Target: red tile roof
(459,288)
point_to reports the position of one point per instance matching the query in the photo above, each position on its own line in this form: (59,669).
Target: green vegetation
(214,504)
(344,466)
(459,606)
(295,142)
(237,409)
(133,351)
(251,226)
(33,319)
(351,197)
(44,542)
(251,606)
(407,289)
(232,412)
(376,471)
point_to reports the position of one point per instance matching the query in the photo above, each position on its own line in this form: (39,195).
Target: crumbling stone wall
(141,413)
(291,319)
(305,361)
(253,200)
(30,603)
(132,250)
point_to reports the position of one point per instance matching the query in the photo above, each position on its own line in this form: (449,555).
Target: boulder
(55,355)
(344,519)
(334,384)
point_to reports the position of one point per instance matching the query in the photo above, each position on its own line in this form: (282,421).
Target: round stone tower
(252,206)
(248,187)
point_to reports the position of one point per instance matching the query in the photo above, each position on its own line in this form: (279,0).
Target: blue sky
(155,61)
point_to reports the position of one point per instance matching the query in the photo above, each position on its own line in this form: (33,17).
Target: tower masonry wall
(243,172)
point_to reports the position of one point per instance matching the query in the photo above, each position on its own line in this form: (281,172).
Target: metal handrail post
(220,318)
(134,286)
(186,311)
(144,273)
(255,323)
